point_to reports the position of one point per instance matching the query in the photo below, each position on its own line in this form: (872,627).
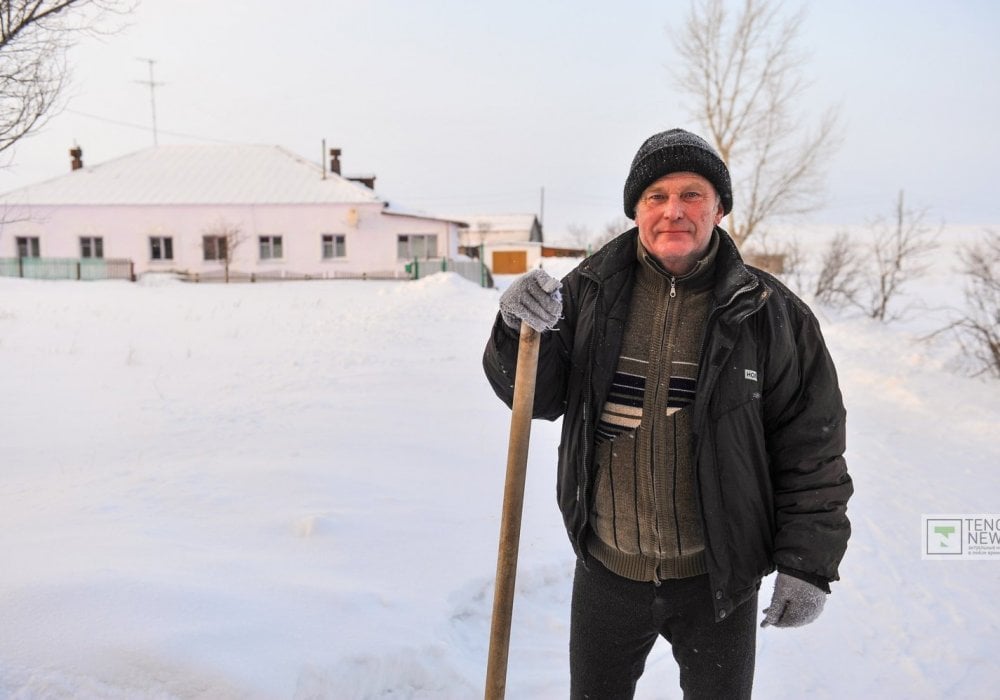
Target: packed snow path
(293,491)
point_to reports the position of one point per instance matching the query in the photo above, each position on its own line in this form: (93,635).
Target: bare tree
(796,262)
(612,229)
(579,234)
(783,257)
(839,280)
(742,70)
(34,37)
(899,250)
(872,277)
(221,241)
(978,326)
(585,237)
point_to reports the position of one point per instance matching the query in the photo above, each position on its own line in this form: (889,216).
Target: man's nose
(673,209)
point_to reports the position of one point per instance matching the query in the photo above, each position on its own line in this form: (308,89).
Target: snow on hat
(676,151)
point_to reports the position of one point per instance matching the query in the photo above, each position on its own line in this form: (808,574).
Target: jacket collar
(701,276)
(615,257)
(731,274)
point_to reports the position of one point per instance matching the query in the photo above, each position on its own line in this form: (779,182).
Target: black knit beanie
(676,151)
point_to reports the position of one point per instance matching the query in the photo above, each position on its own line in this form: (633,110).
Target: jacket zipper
(696,420)
(706,362)
(581,488)
(722,307)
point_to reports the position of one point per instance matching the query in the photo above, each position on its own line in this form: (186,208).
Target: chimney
(335,160)
(76,153)
(366,180)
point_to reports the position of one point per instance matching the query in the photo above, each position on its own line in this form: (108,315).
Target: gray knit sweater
(644,521)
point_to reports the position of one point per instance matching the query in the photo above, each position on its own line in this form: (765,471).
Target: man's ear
(719,213)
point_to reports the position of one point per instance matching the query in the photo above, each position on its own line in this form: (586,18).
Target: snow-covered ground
(293,491)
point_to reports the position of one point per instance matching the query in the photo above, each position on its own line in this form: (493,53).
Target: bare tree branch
(579,234)
(899,251)
(223,238)
(839,279)
(784,258)
(743,72)
(584,237)
(612,229)
(34,37)
(977,327)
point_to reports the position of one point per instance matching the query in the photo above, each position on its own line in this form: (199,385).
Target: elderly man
(702,437)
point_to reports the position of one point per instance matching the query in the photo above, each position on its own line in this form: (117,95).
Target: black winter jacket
(768,421)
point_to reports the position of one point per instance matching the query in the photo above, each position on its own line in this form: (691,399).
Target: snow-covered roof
(393,210)
(497,222)
(199,174)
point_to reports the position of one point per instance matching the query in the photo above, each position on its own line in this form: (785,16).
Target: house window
(161,248)
(27,247)
(420,246)
(91,247)
(270,247)
(214,247)
(334,246)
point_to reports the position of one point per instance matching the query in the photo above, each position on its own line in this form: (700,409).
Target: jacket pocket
(746,490)
(735,393)
(740,381)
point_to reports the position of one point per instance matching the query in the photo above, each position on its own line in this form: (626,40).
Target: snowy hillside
(293,491)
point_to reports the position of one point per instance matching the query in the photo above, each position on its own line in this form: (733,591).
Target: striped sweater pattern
(644,521)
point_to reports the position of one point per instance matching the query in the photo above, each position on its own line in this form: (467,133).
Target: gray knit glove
(795,602)
(533,297)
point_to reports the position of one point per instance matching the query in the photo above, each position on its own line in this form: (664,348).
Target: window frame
(337,246)
(92,247)
(271,243)
(30,245)
(166,248)
(218,247)
(422,239)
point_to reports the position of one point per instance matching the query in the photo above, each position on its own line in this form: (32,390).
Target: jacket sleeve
(500,359)
(805,432)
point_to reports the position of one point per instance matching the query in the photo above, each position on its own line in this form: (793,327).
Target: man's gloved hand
(533,297)
(795,603)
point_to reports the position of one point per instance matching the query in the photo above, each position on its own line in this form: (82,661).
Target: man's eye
(656,198)
(692,196)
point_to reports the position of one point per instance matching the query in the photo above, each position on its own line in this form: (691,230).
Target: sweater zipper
(662,361)
(656,515)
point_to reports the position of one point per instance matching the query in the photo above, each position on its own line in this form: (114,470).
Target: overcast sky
(460,106)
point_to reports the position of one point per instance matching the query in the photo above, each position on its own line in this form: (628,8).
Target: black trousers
(615,623)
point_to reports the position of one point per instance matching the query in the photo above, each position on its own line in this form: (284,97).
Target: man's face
(675,216)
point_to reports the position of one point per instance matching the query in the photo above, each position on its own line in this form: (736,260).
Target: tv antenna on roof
(152,95)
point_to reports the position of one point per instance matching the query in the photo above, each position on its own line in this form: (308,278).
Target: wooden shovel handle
(513,502)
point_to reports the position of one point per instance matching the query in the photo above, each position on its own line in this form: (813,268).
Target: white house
(168,208)
(510,243)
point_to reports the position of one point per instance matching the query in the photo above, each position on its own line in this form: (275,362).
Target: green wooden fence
(68,268)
